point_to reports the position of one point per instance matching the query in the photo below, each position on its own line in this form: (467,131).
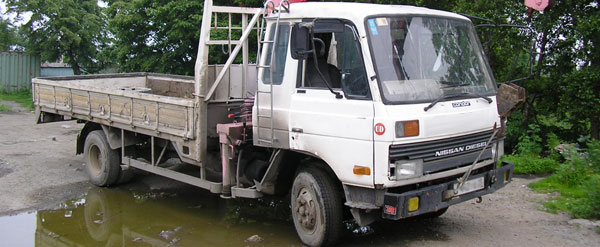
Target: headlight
(404,169)
(407,128)
(500,148)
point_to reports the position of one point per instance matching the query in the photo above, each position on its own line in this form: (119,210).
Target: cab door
(337,130)
(276,80)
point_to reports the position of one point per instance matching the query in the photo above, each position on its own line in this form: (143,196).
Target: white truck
(355,110)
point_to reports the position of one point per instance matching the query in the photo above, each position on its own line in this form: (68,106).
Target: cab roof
(359,11)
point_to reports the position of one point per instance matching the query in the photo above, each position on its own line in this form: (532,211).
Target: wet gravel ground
(39,170)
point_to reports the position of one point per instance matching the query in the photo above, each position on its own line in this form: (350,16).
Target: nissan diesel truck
(352,110)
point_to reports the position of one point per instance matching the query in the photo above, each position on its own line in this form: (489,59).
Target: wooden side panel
(45,96)
(80,101)
(144,113)
(150,114)
(120,109)
(99,105)
(173,118)
(63,99)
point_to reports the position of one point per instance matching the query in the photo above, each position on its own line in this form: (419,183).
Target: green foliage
(589,206)
(9,37)
(69,29)
(577,181)
(571,174)
(581,201)
(529,143)
(155,35)
(162,35)
(532,164)
(22,97)
(593,155)
(4,108)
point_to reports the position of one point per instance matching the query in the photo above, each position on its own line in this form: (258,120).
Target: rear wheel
(102,163)
(316,204)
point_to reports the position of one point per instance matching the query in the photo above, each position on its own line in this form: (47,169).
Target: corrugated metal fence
(17,69)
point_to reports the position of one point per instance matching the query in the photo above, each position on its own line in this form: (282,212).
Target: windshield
(420,59)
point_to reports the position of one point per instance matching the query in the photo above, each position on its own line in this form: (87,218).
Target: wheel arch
(284,167)
(113,135)
(87,128)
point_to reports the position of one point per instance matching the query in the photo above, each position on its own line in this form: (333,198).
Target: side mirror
(300,44)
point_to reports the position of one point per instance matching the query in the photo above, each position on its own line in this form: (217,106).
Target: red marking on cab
(379,129)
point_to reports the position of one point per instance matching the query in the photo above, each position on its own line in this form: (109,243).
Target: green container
(17,69)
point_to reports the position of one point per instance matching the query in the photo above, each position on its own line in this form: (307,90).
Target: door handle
(297,130)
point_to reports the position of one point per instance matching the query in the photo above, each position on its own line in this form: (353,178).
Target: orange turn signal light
(407,128)
(362,170)
(411,128)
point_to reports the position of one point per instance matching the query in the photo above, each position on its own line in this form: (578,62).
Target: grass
(4,108)
(580,200)
(532,164)
(22,97)
(569,195)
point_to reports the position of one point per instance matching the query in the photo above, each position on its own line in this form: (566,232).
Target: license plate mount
(471,186)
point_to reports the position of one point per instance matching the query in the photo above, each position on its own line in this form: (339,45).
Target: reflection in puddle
(17,230)
(186,217)
(117,217)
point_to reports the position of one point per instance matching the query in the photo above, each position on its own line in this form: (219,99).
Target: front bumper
(431,199)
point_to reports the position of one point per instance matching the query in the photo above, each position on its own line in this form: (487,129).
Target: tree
(9,37)
(161,35)
(69,29)
(155,35)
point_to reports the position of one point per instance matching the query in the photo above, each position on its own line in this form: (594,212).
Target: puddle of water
(183,217)
(118,217)
(18,230)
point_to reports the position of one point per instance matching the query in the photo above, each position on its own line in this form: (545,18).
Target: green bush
(594,155)
(529,144)
(4,108)
(588,207)
(532,164)
(571,174)
(578,182)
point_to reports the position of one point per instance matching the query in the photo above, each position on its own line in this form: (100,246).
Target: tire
(316,204)
(103,164)
(125,175)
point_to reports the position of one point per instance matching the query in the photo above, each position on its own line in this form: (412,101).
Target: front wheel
(316,204)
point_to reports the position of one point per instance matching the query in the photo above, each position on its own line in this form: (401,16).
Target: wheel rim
(306,210)
(95,159)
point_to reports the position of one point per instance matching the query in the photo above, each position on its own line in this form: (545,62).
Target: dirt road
(39,170)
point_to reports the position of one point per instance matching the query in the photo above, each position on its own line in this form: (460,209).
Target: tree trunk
(73,62)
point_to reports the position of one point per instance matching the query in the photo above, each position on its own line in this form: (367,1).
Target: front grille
(444,154)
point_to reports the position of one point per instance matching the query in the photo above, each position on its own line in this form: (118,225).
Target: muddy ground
(39,170)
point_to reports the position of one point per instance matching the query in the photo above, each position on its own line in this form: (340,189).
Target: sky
(12,17)
(26,16)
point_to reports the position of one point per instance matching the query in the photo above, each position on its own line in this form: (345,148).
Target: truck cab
(395,102)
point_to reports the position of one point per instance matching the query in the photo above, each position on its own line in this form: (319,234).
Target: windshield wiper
(488,99)
(440,99)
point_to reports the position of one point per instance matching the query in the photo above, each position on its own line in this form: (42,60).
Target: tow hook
(479,199)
